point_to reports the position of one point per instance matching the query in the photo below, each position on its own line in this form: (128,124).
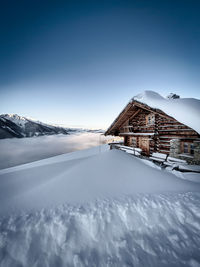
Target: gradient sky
(77,63)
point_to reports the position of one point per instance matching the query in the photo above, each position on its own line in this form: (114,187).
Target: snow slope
(97,208)
(79,179)
(184,110)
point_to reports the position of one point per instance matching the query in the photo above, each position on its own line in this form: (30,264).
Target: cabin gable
(154,131)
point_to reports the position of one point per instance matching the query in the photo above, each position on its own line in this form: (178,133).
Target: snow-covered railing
(114,145)
(166,160)
(189,168)
(158,157)
(175,160)
(128,149)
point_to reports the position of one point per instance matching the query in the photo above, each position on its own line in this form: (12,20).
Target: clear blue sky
(79,62)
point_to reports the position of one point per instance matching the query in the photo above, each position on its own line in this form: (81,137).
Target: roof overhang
(131,110)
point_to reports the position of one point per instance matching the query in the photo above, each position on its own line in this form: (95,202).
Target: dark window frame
(187,148)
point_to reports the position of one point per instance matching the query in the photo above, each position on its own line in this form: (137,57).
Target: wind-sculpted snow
(144,230)
(80,177)
(97,208)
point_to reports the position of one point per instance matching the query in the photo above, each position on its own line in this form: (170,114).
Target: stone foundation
(175,148)
(175,151)
(197,152)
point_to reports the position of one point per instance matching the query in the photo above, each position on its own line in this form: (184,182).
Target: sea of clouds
(19,151)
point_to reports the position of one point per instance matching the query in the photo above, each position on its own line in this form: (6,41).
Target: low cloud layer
(18,151)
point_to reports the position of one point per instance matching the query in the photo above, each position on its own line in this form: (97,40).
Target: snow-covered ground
(97,207)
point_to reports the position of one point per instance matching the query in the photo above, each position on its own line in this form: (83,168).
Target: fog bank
(18,151)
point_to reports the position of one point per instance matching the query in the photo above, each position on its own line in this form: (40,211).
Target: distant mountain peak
(13,125)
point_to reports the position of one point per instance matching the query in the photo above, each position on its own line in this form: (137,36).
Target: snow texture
(97,207)
(184,110)
(144,230)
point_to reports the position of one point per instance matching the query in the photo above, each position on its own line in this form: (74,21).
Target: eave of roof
(137,104)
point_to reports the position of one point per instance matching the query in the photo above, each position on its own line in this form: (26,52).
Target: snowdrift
(80,178)
(97,208)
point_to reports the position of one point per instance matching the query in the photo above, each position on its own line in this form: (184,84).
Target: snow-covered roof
(184,110)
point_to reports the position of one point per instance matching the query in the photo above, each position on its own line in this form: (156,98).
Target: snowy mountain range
(13,125)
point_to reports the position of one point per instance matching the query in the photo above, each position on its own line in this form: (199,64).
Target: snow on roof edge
(184,110)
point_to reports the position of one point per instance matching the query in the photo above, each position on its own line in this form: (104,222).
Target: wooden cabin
(152,130)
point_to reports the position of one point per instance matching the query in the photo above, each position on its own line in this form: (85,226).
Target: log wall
(164,128)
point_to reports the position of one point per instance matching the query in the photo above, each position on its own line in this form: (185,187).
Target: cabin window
(188,148)
(150,119)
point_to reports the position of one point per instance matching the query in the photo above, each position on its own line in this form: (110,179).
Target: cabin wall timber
(154,131)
